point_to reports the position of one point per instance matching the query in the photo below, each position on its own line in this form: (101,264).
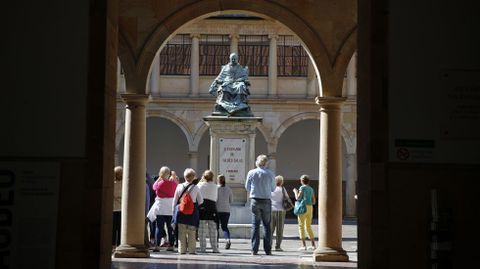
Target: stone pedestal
(232,153)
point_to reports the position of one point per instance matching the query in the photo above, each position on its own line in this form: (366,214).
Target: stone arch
(201,9)
(197,136)
(343,57)
(347,138)
(177,121)
(294,119)
(264,130)
(127,58)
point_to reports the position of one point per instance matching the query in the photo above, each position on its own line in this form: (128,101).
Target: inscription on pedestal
(232,159)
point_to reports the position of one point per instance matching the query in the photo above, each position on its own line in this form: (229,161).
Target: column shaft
(272,162)
(350,201)
(193,156)
(330,182)
(133,188)
(195,66)
(272,67)
(234,43)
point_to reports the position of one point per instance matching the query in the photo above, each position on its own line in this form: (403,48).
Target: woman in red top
(161,211)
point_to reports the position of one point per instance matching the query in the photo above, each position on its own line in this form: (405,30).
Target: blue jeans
(262,210)
(223,218)
(160,231)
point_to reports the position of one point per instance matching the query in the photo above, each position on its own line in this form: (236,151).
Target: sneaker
(302,248)
(278,249)
(311,248)
(227,246)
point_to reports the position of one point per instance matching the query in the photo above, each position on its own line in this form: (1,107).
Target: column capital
(195,35)
(273,36)
(135,99)
(330,102)
(235,35)
(193,153)
(272,155)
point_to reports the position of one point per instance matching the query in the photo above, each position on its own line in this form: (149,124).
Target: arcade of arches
(281,101)
(60,102)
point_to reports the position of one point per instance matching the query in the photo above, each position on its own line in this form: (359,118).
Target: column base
(131,251)
(330,255)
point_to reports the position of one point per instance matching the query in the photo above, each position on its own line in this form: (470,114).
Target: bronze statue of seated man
(231,89)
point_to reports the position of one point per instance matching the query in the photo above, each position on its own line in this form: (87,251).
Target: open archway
(329,55)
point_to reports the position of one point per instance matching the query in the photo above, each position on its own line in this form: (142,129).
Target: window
(253,51)
(214,52)
(292,59)
(175,56)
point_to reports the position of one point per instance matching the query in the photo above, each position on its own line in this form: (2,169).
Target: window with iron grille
(214,52)
(175,56)
(253,51)
(292,59)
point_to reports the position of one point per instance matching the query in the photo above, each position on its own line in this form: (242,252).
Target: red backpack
(186,203)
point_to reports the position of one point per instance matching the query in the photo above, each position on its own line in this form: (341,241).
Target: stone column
(155,76)
(195,66)
(193,156)
(234,43)
(272,162)
(350,192)
(133,188)
(272,67)
(330,182)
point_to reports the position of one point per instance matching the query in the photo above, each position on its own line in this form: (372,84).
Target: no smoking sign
(403,154)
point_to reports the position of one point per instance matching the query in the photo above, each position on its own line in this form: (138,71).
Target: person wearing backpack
(186,215)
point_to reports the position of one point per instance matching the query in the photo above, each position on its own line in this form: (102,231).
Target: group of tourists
(269,203)
(184,223)
(194,210)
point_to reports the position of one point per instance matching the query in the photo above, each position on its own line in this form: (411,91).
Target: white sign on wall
(232,159)
(28,214)
(461,104)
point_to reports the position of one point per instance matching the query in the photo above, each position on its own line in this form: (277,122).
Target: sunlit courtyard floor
(239,255)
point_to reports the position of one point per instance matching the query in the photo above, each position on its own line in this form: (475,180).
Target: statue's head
(233,58)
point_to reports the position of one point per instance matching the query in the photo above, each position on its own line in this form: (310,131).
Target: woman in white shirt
(208,212)
(278,212)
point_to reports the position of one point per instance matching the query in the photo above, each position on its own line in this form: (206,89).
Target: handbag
(287,203)
(300,207)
